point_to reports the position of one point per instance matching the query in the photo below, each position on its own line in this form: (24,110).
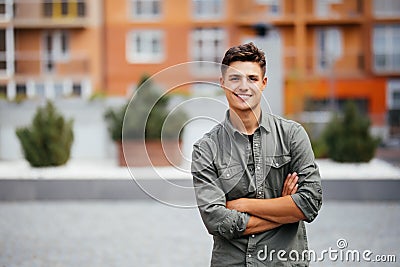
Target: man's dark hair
(244,52)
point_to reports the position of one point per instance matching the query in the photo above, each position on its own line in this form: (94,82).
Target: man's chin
(241,108)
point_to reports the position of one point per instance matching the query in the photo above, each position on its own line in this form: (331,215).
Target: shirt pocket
(233,182)
(277,168)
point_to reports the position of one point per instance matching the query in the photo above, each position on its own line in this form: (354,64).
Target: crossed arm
(267,214)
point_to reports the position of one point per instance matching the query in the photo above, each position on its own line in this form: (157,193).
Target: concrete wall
(91,139)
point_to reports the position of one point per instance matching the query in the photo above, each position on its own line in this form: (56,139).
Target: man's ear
(264,83)
(222,82)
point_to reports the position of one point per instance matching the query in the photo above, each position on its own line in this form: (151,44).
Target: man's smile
(243,96)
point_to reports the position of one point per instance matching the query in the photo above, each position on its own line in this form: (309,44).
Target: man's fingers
(294,190)
(293,182)
(290,184)
(285,185)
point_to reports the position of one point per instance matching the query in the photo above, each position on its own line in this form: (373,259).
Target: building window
(329,47)
(64,8)
(59,89)
(145,9)
(6,51)
(386,8)
(386,49)
(2,9)
(6,9)
(396,99)
(21,90)
(40,90)
(56,49)
(3,91)
(208,9)
(48,9)
(3,51)
(393,94)
(145,46)
(393,105)
(323,7)
(77,89)
(208,44)
(81,9)
(274,6)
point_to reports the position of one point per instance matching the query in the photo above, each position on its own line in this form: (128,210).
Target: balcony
(350,64)
(30,64)
(50,14)
(342,12)
(280,15)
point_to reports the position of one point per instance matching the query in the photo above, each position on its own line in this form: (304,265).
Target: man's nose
(244,84)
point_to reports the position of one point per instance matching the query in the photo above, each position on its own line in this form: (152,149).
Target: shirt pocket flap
(278,161)
(229,172)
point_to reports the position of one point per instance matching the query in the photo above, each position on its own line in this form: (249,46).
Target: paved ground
(147,233)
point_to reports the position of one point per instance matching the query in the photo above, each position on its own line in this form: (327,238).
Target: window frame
(208,51)
(8,10)
(147,56)
(384,40)
(58,53)
(386,8)
(328,38)
(208,16)
(134,15)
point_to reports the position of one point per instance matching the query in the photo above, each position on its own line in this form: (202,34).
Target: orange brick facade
(328,49)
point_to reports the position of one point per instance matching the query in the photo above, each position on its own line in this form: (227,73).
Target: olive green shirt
(225,166)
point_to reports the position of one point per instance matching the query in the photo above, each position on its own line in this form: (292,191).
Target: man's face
(243,84)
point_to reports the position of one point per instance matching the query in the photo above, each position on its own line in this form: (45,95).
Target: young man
(254,174)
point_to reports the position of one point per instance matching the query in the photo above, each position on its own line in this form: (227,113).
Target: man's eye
(234,79)
(253,79)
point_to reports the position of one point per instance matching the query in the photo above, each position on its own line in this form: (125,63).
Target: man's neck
(245,121)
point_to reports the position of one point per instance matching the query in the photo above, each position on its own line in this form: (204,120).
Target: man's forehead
(231,71)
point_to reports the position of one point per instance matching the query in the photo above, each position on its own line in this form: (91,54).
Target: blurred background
(88,57)
(321,53)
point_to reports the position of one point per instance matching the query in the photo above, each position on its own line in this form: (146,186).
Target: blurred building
(332,50)
(50,49)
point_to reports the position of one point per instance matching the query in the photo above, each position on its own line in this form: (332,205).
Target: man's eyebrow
(243,75)
(253,76)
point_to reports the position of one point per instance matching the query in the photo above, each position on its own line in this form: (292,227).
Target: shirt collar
(264,123)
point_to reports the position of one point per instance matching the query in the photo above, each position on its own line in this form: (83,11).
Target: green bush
(320,148)
(145,116)
(48,141)
(348,139)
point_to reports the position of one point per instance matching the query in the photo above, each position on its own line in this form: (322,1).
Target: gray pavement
(147,233)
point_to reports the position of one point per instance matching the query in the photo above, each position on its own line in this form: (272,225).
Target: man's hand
(277,211)
(290,186)
(237,204)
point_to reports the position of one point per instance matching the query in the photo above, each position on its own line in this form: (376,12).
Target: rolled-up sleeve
(210,197)
(309,194)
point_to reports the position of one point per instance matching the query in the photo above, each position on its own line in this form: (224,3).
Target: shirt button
(260,193)
(228,175)
(276,164)
(255,144)
(258,167)
(249,255)
(252,236)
